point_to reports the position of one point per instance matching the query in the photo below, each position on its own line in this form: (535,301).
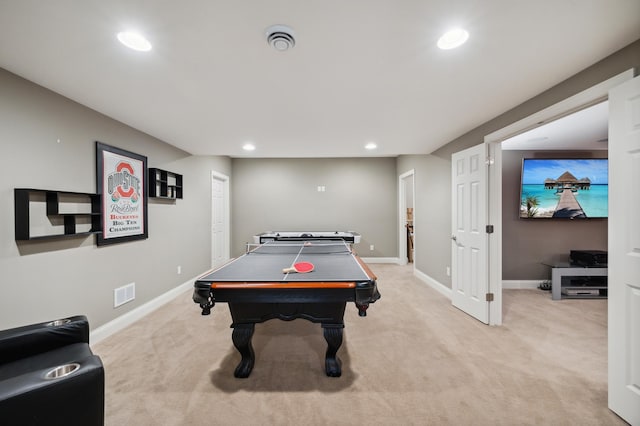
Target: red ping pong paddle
(300,267)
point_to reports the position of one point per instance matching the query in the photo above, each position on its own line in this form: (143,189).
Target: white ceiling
(361,70)
(587,130)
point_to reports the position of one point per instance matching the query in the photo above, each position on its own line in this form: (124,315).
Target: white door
(219,220)
(624,251)
(469,266)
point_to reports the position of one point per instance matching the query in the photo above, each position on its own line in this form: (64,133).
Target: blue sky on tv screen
(535,171)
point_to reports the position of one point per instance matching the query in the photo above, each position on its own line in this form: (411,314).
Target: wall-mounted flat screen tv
(576,188)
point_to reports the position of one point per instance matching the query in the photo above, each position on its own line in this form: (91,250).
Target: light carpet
(414,360)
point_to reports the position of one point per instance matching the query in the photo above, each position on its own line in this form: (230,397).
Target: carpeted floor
(414,360)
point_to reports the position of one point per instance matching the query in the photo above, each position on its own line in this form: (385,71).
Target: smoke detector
(280,37)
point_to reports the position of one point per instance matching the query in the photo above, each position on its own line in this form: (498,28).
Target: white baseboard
(433,283)
(520,284)
(381,260)
(134,315)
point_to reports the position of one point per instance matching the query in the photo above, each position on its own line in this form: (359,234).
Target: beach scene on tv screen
(564,188)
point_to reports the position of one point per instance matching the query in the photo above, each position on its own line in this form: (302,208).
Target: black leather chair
(49,376)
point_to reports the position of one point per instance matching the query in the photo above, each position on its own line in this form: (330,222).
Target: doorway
(591,96)
(220,250)
(406,217)
(578,144)
(623,384)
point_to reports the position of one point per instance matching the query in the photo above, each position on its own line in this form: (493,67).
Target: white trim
(433,283)
(587,97)
(520,284)
(134,315)
(494,217)
(382,260)
(227,215)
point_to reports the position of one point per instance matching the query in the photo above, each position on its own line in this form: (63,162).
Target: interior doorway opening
(406,217)
(588,97)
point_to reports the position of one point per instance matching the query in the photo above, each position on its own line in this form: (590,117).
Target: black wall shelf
(164,184)
(59,209)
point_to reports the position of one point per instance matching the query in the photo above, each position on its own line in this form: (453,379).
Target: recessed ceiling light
(134,41)
(453,38)
(249,147)
(538,139)
(371,146)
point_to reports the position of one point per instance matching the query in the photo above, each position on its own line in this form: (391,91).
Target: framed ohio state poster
(122,186)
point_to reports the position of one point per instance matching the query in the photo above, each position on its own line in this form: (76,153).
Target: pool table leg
(333,336)
(242,334)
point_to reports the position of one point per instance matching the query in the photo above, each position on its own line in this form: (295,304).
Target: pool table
(256,289)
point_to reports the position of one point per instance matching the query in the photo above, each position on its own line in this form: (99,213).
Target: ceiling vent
(281,37)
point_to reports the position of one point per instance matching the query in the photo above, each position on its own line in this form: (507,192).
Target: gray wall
(526,244)
(46,280)
(432,214)
(282,195)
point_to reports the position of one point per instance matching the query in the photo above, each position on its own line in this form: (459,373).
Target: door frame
(623,305)
(226,212)
(586,98)
(402,211)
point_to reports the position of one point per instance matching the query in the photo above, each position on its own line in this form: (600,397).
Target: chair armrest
(74,400)
(29,340)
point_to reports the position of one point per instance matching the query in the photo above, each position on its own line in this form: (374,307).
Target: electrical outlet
(179,269)
(448,271)
(371,247)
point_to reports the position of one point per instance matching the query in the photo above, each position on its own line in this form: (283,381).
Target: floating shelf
(46,214)
(164,184)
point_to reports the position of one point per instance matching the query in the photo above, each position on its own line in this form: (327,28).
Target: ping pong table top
(348,236)
(333,261)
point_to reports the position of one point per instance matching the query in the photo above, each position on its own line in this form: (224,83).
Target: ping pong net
(300,247)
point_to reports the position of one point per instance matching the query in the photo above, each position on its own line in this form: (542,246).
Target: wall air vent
(124,294)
